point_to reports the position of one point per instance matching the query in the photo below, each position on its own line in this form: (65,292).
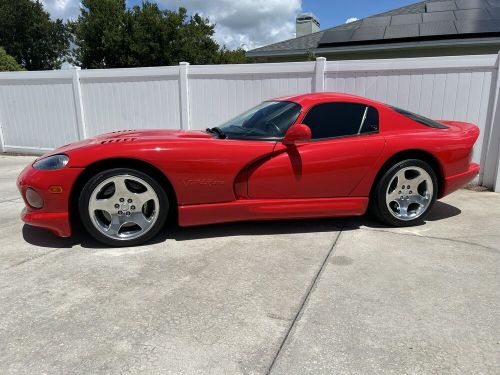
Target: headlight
(52,162)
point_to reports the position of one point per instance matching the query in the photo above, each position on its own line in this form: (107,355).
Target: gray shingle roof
(431,18)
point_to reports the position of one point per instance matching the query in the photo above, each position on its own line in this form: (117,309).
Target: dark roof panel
(469,4)
(401,31)
(368,33)
(480,14)
(438,16)
(406,19)
(463,18)
(440,6)
(495,12)
(470,26)
(437,28)
(376,21)
(336,36)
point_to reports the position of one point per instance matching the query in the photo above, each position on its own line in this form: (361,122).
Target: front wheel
(406,193)
(123,207)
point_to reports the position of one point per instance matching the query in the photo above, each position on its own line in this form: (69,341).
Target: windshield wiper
(218,131)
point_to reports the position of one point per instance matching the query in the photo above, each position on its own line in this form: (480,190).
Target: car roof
(318,97)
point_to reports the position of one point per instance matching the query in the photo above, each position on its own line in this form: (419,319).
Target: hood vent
(118,140)
(123,131)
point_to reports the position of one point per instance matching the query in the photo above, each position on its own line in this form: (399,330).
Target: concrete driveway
(343,296)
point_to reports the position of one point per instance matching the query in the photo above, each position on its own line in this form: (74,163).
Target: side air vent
(118,140)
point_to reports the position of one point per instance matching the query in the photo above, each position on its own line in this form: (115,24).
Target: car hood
(154,133)
(149,136)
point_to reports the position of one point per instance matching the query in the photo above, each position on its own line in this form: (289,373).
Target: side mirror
(297,133)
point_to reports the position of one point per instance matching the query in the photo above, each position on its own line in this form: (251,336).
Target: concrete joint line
(491,249)
(30,259)
(309,290)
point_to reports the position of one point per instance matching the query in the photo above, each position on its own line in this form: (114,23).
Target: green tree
(108,35)
(8,63)
(100,34)
(227,56)
(153,36)
(29,35)
(195,40)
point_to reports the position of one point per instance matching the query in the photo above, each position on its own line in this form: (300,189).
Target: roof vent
(306,23)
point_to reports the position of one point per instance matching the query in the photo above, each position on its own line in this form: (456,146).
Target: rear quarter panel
(450,147)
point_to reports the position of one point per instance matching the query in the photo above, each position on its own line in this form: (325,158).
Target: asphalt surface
(336,296)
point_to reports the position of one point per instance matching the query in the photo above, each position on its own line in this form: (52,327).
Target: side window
(329,120)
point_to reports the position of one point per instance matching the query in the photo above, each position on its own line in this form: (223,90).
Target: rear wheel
(406,193)
(123,207)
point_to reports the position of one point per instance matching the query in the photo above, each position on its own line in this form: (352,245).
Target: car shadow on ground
(44,238)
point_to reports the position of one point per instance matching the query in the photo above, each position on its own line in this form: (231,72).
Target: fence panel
(37,111)
(118,99)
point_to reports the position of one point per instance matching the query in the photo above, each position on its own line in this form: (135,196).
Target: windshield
(267,120)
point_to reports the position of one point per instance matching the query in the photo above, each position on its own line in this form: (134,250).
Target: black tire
(378,205)
(90,186)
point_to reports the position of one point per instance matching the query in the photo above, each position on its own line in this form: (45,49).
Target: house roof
(429,20)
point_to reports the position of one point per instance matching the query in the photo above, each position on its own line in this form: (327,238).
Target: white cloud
(65,9)
(246,23)
(352,19)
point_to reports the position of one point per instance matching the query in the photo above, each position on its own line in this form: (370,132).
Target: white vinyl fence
(43,110)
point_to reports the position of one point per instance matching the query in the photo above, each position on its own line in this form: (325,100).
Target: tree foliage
(29,35)
(227,56)
(107,34)
(8,63)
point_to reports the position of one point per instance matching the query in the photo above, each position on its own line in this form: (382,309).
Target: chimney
(306,23)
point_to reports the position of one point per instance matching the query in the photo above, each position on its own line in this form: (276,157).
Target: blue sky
(254,23)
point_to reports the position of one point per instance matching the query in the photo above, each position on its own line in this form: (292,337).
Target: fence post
(496,182)
(493,154)
(184,95)
(77,94)
(2,140)
(319,74)
(490,164)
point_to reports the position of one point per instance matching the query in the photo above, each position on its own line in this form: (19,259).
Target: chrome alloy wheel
(123,207)
(409,193)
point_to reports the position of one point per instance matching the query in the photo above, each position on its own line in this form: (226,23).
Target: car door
(345,144)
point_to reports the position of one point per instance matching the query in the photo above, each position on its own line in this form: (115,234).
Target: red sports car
(304,156)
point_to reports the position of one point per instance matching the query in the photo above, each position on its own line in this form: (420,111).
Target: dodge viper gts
(303,156)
